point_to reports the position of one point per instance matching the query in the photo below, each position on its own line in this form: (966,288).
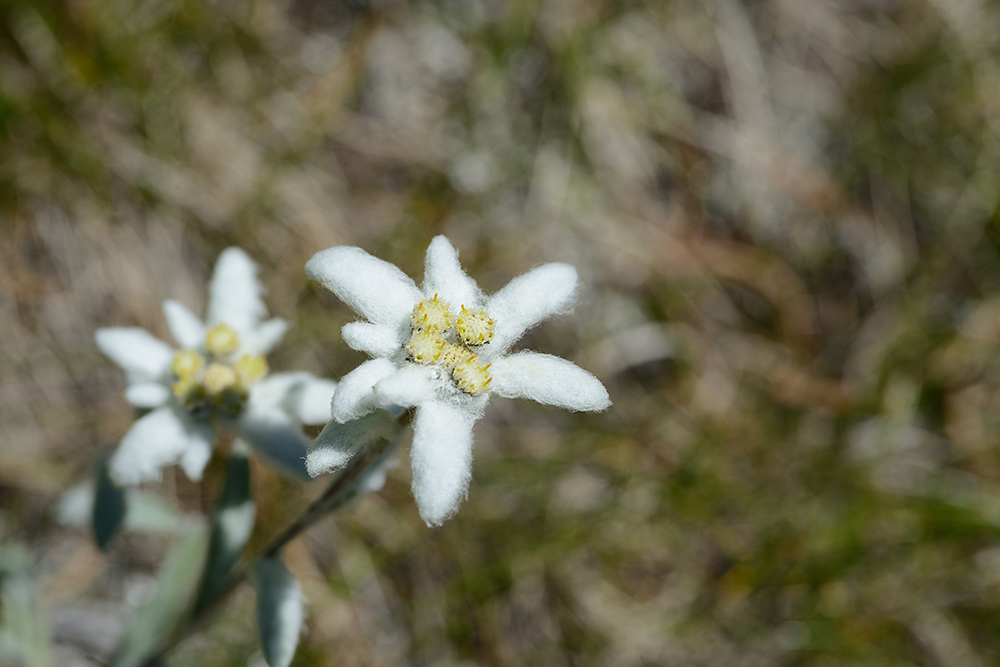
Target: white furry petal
(235,293)
(301,395)
(335,445)
(550,380)
(147,394)
(277,439)
(186,328)
(411,385)
(272,391)
(159,439)
(441,457)
(355,396)
(528,299)
(376,340)
(142,355)
(375,289)
(199,450)
(265,337)
(443,275)
(311,399)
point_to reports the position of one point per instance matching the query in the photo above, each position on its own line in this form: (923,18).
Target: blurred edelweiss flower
(219,376)
(443,349)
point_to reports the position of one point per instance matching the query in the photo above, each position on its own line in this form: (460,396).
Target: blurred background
(784,214)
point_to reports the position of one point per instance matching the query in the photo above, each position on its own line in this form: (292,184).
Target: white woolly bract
(409,386)
(299,394)
(443,275)
(264,337)
(235,294)
(185,327)
(143,356)
(147,394)
(375,340)
(355,395)
(441,456)
(550,380)
(527,300)
(375,289)
(161,438)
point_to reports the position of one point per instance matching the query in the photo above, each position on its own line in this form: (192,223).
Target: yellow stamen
(186,364)
(218,378)
(432,315)
(221,340)
(249,369)
(424,347)
(471,376)
(475,327)
(452,354)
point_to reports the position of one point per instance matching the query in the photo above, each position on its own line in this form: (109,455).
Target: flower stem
(344,487)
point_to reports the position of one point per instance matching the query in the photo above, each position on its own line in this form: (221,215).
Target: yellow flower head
(474,326)
(221,340)
(431,315)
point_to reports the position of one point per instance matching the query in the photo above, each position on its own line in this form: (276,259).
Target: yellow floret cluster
(214,380)
(438,337)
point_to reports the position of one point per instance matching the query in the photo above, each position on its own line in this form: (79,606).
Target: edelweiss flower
(443,349)
(219,376)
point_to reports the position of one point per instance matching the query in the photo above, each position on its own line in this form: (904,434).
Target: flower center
(474,327)
(221,340)
(214,381)
(438,338)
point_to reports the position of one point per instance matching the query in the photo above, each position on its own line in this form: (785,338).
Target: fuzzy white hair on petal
(527,300)
(355,395)
(235,293)
(443,275)
(155,441)
(311,398)
(137,351)
(186,328)
(265,337)
(375,289)
(147,394)
(375,340)
(550,380)
(410,386)
(441,456)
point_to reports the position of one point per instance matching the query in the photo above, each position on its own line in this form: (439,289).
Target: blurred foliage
(785,216)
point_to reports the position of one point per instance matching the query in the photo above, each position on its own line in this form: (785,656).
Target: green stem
(342,489)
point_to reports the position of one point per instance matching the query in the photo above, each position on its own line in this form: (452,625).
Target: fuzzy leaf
(109,507)
(25,633)
(279,610)
(152,624)
(231,528)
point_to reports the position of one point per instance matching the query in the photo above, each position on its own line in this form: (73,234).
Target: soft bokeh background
(784,214)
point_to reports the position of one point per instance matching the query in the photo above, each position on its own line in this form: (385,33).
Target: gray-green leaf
(153,623)
(231,528)
(109,507)
(25,636)
(279,610)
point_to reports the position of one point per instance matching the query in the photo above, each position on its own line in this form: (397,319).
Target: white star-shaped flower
(218,377)
(442,348)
